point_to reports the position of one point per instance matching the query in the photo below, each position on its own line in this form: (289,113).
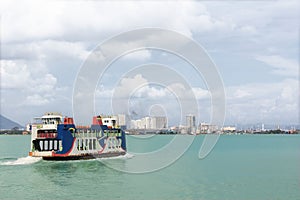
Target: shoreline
(130,132)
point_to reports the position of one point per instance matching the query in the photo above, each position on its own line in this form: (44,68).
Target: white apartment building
(149,123)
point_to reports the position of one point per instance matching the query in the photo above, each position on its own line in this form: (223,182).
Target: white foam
(30,160)
(23,161)
(126,156)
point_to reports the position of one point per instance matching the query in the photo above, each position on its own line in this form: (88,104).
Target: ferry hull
(83,156)
(57,138)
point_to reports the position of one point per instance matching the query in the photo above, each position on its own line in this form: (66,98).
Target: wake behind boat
(56,138)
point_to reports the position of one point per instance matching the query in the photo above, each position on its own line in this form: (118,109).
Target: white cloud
(141,55)
(32,20)
(150,92)
(255,26)
(36,100)
(132,87)
(45,84)
(128,85)
(137,94)
(281,66)
(44,43)
(240,93)
(201,93)
(248,30)
(264,102)
(139,87)
(102,93)
(45,50)
(14,75)
(37,87)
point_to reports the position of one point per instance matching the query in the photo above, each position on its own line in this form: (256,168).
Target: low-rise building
(229,129)
(207,128)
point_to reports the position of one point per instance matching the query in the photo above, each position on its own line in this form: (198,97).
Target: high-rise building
(159,122)
(139,124)
(149,123)
(190,121)
(121,121)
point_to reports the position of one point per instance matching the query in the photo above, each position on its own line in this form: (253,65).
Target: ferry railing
(46,135)
(87,133)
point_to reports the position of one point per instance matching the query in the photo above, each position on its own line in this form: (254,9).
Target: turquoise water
(239,167)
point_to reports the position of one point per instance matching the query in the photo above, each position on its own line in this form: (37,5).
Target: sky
(253,44)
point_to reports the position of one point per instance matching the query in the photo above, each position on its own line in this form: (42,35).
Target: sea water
(239,167)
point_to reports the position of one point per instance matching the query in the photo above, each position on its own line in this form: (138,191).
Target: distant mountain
(8,124)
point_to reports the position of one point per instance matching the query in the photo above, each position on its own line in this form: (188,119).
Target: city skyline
(44,44)
(191,124)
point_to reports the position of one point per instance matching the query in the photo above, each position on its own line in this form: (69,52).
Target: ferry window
(81,144)
(94,143)
(60,145)
(91,144)
(119,143)
(51,145)
(41,145)
(55,145)
(86,144)
(78,144)
(113,142)
(46,145)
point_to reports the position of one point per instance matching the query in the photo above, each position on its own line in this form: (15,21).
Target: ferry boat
(55,137)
